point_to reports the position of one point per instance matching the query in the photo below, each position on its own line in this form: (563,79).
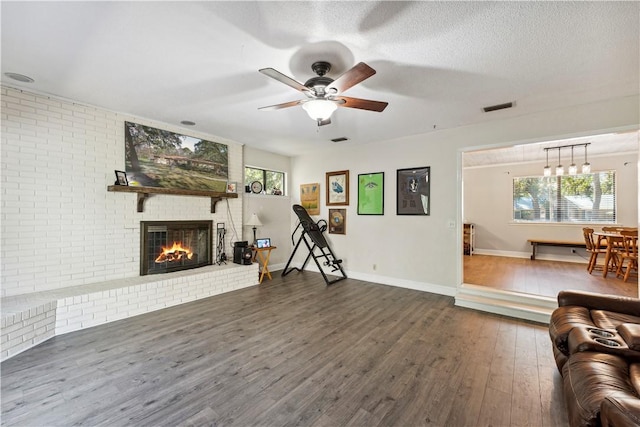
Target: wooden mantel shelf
(144,192)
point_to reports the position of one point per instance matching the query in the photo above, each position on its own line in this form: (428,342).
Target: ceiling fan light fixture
(319,109)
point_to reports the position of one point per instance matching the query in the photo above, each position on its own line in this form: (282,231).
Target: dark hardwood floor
(540,277)
(293,352)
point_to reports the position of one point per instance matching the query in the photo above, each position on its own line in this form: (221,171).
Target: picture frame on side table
(121,178)
(337,221)
(413,191)
(371,193)
(338,188)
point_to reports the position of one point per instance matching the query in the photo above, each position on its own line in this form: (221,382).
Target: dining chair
(617,244)
(593,247)
(628,253)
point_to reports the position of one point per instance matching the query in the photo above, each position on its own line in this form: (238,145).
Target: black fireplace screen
(174,245)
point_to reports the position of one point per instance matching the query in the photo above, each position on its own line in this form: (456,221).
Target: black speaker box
(242,255)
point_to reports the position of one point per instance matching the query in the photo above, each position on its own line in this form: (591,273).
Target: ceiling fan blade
(283,105)
(274,74)
(324,122)
(351,78)
(362,104)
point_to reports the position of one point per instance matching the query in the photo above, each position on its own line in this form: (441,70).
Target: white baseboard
(403,283)
(527,255)
(392,281)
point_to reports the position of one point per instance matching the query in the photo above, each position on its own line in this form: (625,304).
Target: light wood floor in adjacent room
(293,352)
(542,277)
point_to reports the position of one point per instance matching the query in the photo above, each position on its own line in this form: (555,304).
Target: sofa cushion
(620,410)
(594,301)
(588,379)
(610,319)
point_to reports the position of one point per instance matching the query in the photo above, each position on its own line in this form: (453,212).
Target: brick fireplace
(167,246)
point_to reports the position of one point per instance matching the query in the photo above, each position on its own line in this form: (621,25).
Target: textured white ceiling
(438,63)
(599,145)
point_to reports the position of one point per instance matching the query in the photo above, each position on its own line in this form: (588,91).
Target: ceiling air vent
(498,107)
(341,139)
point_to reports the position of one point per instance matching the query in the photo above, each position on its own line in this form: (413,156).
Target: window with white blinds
(586,198)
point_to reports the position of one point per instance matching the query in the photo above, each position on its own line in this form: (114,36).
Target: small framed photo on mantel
(232,187)
(121,178)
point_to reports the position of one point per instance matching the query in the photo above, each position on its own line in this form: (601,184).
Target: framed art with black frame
(338,188)
(414,191)
(371,193)
(121,178)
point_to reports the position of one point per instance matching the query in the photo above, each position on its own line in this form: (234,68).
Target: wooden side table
(262,255)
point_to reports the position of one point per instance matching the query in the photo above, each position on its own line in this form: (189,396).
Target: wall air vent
(341,139)
(498,107)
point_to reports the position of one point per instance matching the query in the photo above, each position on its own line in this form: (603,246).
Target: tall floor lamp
(254,222)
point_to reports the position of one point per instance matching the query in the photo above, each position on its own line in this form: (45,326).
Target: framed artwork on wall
(371,193)
(413,191)
(337,221)
(338,188)
(310,198)
(160,158)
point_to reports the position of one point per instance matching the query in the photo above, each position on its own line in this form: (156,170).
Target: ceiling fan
(324,95)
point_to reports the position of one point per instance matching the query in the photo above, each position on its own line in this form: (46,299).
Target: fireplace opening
(167,246)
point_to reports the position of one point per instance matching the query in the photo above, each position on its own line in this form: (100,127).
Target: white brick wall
(24,329)
(60,227)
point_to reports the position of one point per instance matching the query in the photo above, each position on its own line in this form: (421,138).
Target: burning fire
(174,253)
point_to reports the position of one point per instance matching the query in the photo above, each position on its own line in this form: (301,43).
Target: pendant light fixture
(573,169)
(547,169)
(586,166)
(559,168)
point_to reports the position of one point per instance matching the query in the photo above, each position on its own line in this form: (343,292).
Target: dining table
(613,240)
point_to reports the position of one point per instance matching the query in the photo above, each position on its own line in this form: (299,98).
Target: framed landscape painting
(371,193)
(414,191)
(160,158)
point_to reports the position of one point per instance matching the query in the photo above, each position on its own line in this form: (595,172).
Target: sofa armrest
(594,301)
(620,410)
(630,333)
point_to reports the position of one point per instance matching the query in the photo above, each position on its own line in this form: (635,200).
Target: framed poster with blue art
(414,194)
(338,188)
(371,193)
(160,158)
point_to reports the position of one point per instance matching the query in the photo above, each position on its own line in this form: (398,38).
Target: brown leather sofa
(596,344)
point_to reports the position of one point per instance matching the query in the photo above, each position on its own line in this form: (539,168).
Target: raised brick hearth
(30,319)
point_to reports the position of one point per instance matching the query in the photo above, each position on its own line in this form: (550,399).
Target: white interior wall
(60,227)
(274,211)
(422,251)
(488,201)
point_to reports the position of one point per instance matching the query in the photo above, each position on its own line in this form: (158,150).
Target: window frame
(560,213)
(263,180)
